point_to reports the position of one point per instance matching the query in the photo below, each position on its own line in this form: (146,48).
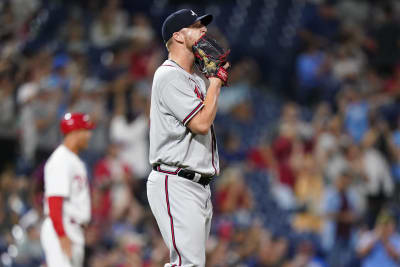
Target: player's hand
(226,66)
(211,58)
(66,246)
(222,75)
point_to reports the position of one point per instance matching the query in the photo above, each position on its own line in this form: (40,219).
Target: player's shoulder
(55,161)
(168,72)
(61,156)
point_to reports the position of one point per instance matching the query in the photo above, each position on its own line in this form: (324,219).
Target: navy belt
(188,174)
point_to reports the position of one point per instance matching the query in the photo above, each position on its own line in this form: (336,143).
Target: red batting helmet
(75,121)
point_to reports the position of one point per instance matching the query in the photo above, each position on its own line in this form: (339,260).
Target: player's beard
(189,41)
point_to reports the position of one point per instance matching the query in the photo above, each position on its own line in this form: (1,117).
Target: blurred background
(308,130)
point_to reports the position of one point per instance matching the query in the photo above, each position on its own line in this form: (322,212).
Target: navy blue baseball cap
(181,19)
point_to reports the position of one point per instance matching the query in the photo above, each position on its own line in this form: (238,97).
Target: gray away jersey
(175,99)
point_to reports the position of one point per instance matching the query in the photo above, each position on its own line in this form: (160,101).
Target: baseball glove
(210,58)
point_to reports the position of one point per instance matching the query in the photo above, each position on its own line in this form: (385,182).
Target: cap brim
(206,19)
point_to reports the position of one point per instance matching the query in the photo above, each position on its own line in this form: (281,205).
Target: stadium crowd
(310,176)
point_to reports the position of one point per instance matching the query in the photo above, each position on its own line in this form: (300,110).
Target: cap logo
(193,14)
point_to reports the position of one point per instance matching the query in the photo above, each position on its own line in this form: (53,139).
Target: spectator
(341,209)
(370,82)
(26,96)
(348,64)
(282,148)
(232,150)
(309,192)
(116,65)
(395,149)
(75,37)
(356,115)
(45,115)
(23,10)
(291,117)
(389,99)
(310,70)
(386,42)
(322,115)
(112,183)
(379,184)
(145,55)
(272,251)
(110,25)
(288,147)
(141,28)
(327,147)
(380,246)
(321,24)
(127,123)
(353,12)
(232,193)
(240,118)
(332,149)
(262,157)
(29,247)
(36,193)
(392,85)
(8,120)
(243,242)
(305,256)
(131,251)
(90,100)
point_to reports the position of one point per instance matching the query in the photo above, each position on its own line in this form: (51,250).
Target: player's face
(193,33)
(84,138)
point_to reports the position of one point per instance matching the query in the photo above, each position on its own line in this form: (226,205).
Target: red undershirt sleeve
(55,213)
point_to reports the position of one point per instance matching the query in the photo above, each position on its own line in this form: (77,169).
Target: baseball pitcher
(183,149)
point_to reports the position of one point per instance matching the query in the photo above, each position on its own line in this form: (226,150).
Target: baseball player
(67,199)
(183,149)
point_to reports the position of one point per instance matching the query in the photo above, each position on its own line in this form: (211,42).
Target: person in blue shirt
(381,246)
(341,208)
(356,116)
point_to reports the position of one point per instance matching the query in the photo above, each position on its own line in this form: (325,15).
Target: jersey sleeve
(55,212)
(57,179)
(181,100)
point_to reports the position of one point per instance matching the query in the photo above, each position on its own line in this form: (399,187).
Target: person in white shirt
(379,184)
(67,198)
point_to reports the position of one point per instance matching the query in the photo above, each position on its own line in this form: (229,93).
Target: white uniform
(182,207)
(65,175)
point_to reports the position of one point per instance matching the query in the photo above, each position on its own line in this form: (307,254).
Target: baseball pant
(183,212)
(55,257)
